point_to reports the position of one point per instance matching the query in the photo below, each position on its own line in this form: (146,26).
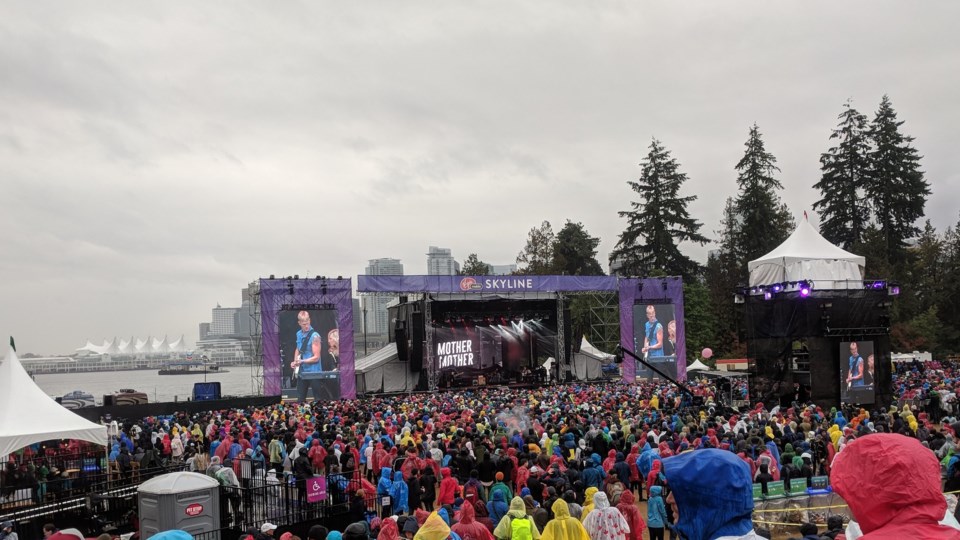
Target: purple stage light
(767,295)
(805,291)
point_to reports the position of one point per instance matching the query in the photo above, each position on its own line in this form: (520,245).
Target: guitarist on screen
(306,359)
(653,340)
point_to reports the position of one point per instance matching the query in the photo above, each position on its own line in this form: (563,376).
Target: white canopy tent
(382,371)
(588,363)
(28,415)
(698,366)
(806,255)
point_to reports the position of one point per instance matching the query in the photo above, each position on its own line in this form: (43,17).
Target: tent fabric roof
(136,345)
(44,420)
(376,359)
(588,349)
(806,255)
(697,366)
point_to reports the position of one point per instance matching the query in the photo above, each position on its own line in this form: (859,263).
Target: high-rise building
(357,319)
(204,329)
(378,321)
(224,321)
(441,263)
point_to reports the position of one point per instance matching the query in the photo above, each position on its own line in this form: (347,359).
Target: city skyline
(157,157)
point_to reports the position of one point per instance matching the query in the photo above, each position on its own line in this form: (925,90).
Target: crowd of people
(565,462)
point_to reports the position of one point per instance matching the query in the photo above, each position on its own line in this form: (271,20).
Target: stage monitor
(857,372)
(309,353)
(655,338)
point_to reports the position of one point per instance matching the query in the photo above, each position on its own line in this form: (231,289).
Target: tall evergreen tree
(722,276)
(764,222)
(575,252)
(473,266)
(537,254)
(845,166)
(659,221)
(895,185)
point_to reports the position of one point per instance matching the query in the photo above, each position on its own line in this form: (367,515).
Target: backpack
(471,491)
(520,529)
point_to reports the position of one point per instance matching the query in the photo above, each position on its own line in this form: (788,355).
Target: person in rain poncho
(712,495)
(892,484)
(563,526)
(588,503)
(628,507)
(605,522)
(518,510)
(434,528)
(468,527)
(497,507)
(399,494)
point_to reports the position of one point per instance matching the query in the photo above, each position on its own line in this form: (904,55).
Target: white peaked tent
(806,255)
(588,363)
(698,366)
(28,415)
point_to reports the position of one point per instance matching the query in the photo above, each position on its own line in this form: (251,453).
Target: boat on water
(190,368)
(126,397)
(78,399)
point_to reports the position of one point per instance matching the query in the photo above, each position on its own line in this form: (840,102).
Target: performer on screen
(331,360)
(306,359)
(670,345)
(653,340)
(855,368)
(868,376)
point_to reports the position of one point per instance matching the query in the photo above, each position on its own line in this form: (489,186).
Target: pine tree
(723,274)
(537,254)
(845,166)
(895,185)
(764,222)
(473,266)
(659,221)
(575,252)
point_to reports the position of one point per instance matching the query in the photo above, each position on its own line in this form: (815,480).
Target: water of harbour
(159,388)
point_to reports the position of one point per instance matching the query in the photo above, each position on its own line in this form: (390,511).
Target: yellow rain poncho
(587,503)
(563,526)
(518,510)
(434,528)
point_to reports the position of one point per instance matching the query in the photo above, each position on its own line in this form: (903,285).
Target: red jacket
(892,484)
(448,487)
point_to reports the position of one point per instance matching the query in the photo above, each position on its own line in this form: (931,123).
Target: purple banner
(485,284)
(279,294)
(668,290)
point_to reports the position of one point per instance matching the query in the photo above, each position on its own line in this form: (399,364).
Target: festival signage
(485,284)
(798,486)
(316,489)
(757,492)
(193,510)
(775,490)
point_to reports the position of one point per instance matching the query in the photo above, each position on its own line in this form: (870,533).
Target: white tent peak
(47,419)
(698,366)
(806,255)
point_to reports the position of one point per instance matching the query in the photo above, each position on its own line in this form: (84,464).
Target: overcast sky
(155,157)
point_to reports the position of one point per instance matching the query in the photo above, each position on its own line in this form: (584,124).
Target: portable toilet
(188,501)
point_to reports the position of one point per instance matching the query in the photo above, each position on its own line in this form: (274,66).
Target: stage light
(777,288)
(893,290)
(805,291)
(296,276)
(767,295)
(738,299)
(271,276)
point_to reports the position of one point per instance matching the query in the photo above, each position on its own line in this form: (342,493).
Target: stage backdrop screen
(300,330)
(857,372)
(655,338)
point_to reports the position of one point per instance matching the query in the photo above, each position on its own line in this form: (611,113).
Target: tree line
(873,193)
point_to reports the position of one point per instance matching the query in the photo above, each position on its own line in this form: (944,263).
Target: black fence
(96,501)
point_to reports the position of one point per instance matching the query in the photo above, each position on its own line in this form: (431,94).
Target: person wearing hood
(389,530)
(588,503)
(383,491)
(606,522)
(563,526)
(712,495)
(483,515)
(892,485)
(356,531)
(399,494)
(656,512)
(497,507)
(428,484)
(635,521)
(435,528)
(518,510)
(592,475)
(469,527)
(448,487)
